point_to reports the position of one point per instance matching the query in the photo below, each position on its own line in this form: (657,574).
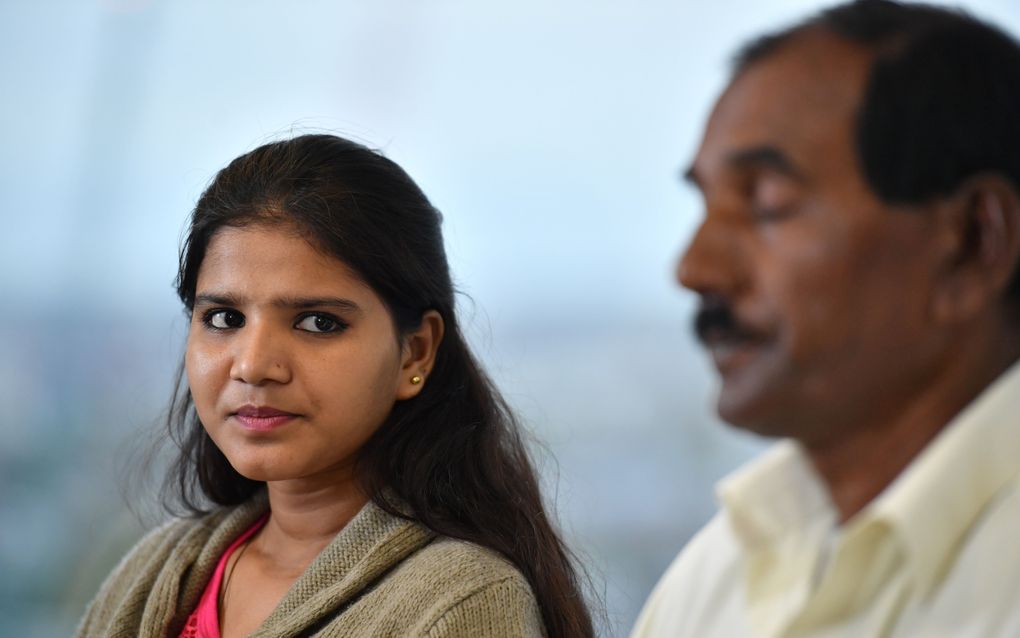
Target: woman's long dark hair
(453,457)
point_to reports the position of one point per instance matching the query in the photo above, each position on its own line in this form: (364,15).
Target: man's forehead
(804,94)
(816,60)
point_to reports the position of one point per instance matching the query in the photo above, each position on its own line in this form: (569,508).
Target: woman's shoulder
(467,563)
(461,588)
(133,575)
(153,548)
(159,561)
(167,536)
(463,564)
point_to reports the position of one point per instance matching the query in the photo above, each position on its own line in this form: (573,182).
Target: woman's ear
(419,353)
(981,222)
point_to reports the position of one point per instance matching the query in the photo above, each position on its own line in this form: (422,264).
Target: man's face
(815,295)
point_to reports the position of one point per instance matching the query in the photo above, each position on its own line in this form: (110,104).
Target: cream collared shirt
(935,554)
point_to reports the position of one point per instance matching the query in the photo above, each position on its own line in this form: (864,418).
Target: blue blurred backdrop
(551,135)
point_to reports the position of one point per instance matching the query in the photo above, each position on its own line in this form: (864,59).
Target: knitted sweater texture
(381,576)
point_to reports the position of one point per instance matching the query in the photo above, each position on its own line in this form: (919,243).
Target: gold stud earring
(416,379)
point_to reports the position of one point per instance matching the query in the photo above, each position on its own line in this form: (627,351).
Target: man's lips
(262,418)
(730,339)
(730,350)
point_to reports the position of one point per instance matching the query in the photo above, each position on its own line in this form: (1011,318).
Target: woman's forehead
(273,258)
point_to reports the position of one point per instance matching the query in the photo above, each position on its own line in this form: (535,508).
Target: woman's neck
(305,518)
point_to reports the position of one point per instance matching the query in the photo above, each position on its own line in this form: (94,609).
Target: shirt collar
(929,506)
(936,499)
(775,496)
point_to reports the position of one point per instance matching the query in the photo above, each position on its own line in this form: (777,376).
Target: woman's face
(292,361)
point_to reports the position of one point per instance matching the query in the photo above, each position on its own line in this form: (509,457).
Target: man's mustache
(715,320)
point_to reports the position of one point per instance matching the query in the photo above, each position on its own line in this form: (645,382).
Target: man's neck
(861,464)
(867,457)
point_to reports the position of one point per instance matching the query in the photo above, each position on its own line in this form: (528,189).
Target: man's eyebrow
(296,303)
(759,157)
(768,157)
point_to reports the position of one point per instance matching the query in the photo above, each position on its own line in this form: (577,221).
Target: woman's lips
(262,419)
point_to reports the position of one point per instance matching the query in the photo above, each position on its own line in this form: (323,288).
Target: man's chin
(752,411)
(764,429)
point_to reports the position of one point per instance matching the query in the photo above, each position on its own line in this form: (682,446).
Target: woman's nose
(259,355)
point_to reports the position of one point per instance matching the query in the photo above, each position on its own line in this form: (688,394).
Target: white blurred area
(551,135)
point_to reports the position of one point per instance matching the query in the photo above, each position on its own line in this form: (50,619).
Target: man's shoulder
(707,568)
(984,574)
(701,590)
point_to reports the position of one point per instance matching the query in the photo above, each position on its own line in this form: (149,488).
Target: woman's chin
(261,470)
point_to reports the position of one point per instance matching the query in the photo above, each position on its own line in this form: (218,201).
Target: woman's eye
(224,319)
(319,323)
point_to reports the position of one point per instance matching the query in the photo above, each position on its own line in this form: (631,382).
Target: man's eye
(765,214)
(224,319)
(773,198)
(320,323)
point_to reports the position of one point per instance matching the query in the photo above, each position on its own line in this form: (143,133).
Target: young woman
(348,467)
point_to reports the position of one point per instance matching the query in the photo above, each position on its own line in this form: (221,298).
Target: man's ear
(980,224)
(419,353)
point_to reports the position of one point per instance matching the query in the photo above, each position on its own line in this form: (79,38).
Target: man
(858,267)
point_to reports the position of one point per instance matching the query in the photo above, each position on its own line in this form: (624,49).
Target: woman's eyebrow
(217,299)
(297,303)
(300,303)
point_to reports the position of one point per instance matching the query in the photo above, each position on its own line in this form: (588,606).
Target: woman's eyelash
(222,319)
(312,322)
(320,323)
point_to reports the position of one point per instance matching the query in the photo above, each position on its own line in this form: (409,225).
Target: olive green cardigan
(381,576)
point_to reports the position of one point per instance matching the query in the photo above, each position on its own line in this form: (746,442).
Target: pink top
(204,622)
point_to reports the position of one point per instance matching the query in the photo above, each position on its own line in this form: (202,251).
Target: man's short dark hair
(942,102)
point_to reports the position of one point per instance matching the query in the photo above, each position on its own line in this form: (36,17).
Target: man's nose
(260,355)
(713,262)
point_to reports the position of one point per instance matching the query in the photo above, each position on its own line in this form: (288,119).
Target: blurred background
(550,134)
